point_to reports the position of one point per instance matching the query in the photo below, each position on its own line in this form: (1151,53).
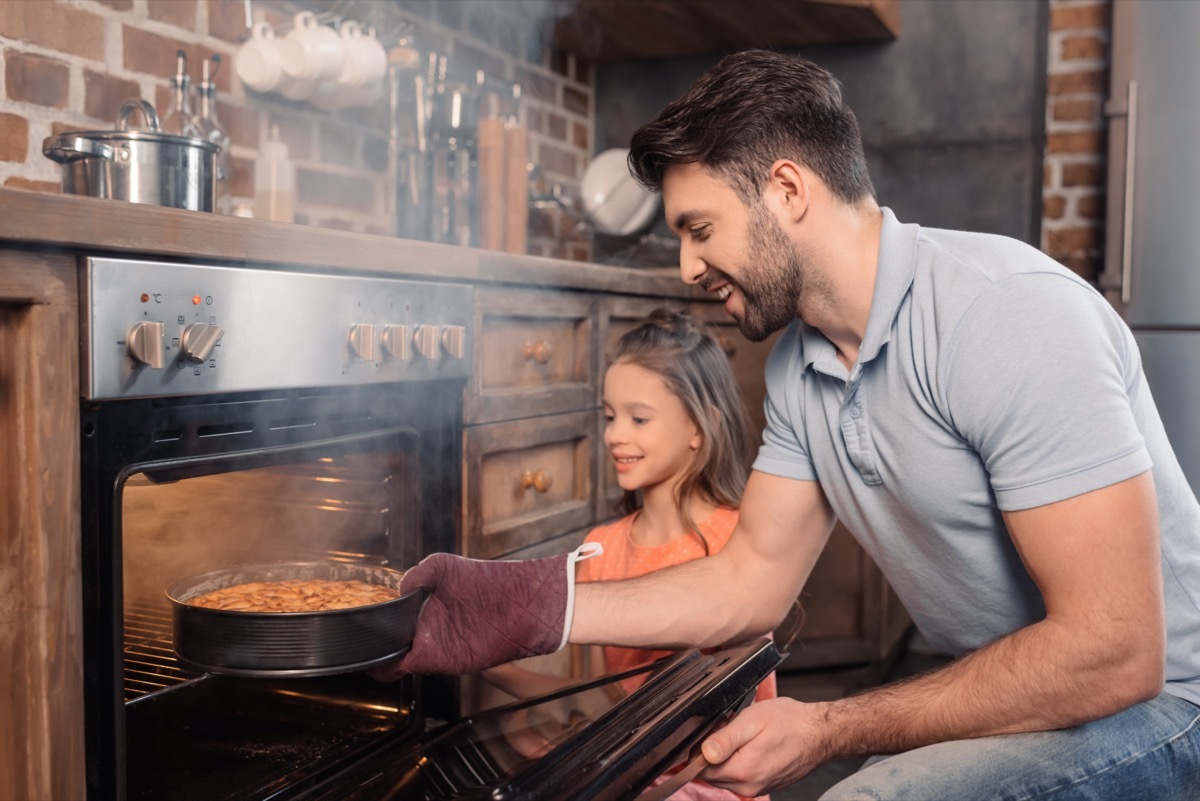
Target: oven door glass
(592,742)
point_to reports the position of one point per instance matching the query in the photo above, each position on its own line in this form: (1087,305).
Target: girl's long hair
(696,370)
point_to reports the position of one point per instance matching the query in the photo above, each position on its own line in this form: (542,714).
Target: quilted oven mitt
(483,613)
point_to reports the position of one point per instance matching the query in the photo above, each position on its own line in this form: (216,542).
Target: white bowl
(613,199)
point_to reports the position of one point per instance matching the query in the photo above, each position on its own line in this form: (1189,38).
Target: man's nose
(691,266)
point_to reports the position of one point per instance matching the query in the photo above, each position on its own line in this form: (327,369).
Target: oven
(235,415)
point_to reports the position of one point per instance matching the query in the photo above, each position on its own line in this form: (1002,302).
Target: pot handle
(64,149)
(137,104)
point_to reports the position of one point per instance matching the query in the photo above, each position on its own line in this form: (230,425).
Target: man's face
(738,253)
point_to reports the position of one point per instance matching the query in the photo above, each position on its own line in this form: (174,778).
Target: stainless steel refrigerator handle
(1130,114)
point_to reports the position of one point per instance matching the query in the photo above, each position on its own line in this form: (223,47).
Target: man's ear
(788,185)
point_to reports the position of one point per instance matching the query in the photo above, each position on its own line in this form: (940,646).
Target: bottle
(212,130)
(179,119)
(274,181)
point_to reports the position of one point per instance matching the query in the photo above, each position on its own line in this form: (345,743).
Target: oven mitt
(483,613)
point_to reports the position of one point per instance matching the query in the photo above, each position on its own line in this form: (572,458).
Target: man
(978,418)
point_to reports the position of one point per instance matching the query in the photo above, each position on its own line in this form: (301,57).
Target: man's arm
(1100,649)
(742,591)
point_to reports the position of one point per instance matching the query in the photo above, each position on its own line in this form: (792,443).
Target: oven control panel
(154,329)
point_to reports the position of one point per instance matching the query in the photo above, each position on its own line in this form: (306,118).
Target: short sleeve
(1039,377)
(784,451)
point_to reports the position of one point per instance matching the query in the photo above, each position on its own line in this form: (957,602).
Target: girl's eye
(608,418)
(700,232)
(640,420)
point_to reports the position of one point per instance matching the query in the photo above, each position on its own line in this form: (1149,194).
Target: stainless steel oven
(235,415)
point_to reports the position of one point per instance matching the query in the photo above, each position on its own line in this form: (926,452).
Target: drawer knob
(540,480)
(540,352)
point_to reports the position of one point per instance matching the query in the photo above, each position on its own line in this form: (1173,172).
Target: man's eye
(700,232)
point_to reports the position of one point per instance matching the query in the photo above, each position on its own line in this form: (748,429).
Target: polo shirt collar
(893,278)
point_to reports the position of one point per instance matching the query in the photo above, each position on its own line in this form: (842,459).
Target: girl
(676,431)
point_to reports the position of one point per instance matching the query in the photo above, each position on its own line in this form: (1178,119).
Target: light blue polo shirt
(989,378)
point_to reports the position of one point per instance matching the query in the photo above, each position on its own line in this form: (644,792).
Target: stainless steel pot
(141,166)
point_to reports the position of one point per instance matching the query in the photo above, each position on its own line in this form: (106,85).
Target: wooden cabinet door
(534,354)
(527,481)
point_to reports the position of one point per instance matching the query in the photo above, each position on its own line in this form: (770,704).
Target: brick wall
(69,64)
(1076,128)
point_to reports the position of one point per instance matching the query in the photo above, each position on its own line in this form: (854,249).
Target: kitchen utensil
(311,52)
(258,63)
(364,61)
(292,643)
(137,165)
(613,199)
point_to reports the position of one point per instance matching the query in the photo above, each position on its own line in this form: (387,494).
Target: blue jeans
(1149,752)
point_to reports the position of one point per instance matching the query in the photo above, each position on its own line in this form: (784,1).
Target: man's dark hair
(749,110)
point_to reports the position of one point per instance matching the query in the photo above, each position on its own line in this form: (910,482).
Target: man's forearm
(1039,678)
(666,610)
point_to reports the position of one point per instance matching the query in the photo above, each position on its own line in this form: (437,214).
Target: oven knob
(397,342)
(198,341)
(146,344)
(454,339)
(426,340)
(362,341)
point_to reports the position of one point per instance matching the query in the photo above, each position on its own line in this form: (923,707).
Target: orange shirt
(624,559)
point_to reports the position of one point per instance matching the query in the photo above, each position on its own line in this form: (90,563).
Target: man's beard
(772,278)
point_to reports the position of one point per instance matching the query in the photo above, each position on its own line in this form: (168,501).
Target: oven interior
(180,486)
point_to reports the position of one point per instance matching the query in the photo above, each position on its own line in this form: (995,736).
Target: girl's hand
(769,744)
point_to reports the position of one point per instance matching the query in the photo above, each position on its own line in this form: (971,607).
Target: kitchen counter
(86,224)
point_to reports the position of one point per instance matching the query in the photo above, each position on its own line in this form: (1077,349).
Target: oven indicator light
(145,298)
(196,300)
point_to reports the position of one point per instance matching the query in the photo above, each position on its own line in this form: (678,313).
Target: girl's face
(647,430)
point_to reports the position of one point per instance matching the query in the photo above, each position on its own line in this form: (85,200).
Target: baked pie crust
(295,595)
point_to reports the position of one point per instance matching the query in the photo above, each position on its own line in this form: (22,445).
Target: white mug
(364,61)
(257,62)
(311,52)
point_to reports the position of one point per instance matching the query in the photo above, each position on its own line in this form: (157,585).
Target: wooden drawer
(534,355)
(527,481)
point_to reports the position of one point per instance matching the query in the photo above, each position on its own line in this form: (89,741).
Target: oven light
(196,300)
(145,298)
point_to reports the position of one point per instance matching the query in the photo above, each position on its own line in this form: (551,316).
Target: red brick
(583,71)
(580,135)
(1083,47)
(16,182)
(226,20)
(1068,240)
(242,124)
(56,26)
(1083,175)
(577,101)
(1077,142)
(180,13)
(1090,207)
(535,119)
(1081,110)
(58,128)
(1069,17)
(1053,207)
(1068,83)
(14,138)
(36,79)
(152,54)
(332,190)
(538,86)
(556,161)
(556,126)
(243,177)
(469,59)
(104,94)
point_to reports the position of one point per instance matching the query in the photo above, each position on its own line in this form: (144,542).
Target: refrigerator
(1152,236)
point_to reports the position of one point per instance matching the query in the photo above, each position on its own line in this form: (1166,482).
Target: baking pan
(273,644)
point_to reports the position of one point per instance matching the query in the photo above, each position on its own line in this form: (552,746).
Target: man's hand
(483,613)
(769,744)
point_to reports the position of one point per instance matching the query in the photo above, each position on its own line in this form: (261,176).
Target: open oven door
(590,742)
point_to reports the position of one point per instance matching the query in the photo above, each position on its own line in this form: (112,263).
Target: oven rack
(150,661)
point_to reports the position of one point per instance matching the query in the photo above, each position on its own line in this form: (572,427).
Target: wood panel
(616,30)
(41,703)
(504,511)
(534,354)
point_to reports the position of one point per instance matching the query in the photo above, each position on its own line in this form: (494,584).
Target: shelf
(618,30)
